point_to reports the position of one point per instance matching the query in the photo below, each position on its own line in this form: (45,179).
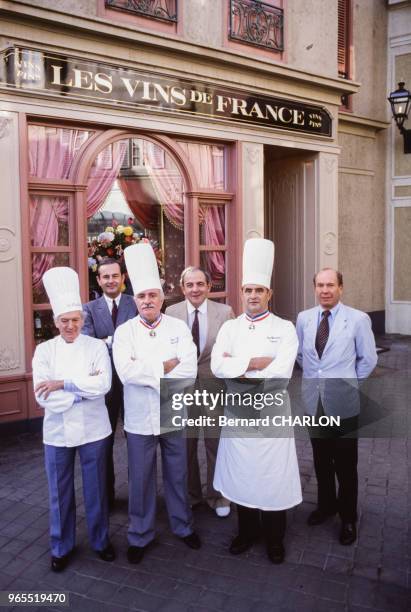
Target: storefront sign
(39,71)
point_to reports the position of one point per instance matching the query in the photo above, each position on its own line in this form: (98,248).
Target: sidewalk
(319,574)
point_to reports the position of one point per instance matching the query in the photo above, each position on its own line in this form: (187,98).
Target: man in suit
(204,317)
(103,316)
(336,351)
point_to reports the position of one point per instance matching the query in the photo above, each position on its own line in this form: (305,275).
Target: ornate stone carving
(8,359)
(6,244)
(330,243)
(253,154)
(4,125)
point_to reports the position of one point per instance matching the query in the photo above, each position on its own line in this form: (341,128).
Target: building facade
(197,124)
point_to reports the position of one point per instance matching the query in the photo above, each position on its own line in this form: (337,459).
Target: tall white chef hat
(63,288)
(258,261)
(142,267)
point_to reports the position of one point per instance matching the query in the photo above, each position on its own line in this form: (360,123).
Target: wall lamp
(400,101)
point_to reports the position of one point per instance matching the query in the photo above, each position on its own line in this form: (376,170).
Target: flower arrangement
(111,243)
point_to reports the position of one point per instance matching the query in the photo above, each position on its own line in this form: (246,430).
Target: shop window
(213,243)
(134,191)
(139,198)
(344,46)
(260,24)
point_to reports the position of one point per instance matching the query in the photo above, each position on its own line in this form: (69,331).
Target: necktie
(114,312)
(195,331)
(323,332)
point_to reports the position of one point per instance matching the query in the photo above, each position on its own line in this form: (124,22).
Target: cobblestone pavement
(319,574)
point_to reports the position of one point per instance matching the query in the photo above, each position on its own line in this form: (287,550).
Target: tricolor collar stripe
(151,325)
(257,318)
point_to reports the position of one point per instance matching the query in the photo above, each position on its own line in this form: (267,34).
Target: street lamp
(400,101)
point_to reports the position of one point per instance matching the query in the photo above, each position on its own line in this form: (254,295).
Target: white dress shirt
(72,418)
(109,301)
(202,321)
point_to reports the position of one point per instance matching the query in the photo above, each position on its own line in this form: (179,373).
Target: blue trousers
(142,465)
(60,474)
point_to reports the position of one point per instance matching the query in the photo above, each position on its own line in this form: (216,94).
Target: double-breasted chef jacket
(139,353)
(139,356)
(77,414)
(75,420)
(257,472)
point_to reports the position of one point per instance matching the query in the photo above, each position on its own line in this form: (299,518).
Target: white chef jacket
(139,358)
(74,418)
(257,472)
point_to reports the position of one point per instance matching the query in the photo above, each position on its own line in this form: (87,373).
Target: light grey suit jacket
(217,314)
(349,356)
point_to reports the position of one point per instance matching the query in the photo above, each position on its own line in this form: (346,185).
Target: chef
(260,474)
(71,375)
(147,348)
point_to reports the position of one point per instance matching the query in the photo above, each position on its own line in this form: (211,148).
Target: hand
(259,363)
(48,386)
(227,355)
(170,364)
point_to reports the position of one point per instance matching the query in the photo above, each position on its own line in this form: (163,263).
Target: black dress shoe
(107,554)
(317,517)
(135,554)
(348,533)
(276,553)
(58,564)
(240,545)
(192,541)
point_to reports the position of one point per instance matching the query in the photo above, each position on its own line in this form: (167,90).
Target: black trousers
(336,458)
(252,521)
(115,407)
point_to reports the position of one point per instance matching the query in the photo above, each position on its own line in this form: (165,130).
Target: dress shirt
(202,320)
(79,416)
(333,313)
(109,301)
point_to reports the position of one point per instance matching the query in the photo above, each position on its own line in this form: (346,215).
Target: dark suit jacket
(98,321)
(217,314)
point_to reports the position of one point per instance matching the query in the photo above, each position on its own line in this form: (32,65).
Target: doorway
(291,223)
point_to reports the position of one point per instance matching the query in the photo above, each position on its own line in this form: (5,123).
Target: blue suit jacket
(98,321)
(349,356)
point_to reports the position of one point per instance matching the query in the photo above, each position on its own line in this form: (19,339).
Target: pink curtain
(214,224)
(51,153)
(208,164)
(103,175)
(45,214)
(52,150)
(167,184)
